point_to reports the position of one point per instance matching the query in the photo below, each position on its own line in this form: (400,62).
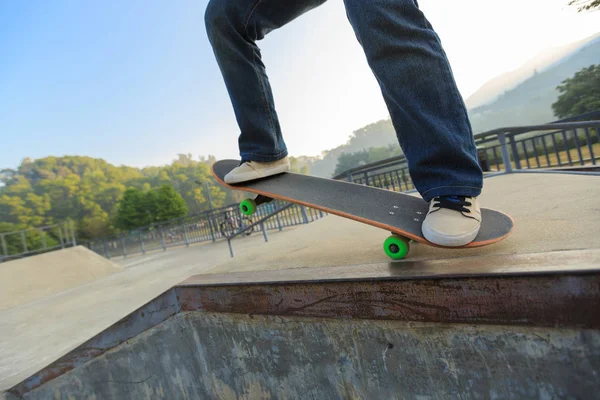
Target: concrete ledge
(555,262)
(558,289)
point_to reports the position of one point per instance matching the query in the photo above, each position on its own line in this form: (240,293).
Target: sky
(136,83)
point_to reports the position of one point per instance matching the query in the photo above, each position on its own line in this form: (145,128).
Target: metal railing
(308,215)
(223,223)
(28,242)
(572,143)
(568,144)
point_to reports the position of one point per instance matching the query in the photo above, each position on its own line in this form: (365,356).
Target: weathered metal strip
(570,300)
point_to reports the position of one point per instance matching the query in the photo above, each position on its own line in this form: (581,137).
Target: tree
(168,204)
(134,210)
(138,208)
(89,191)
(347,161)
(585,5)
(579,94)
(298,166)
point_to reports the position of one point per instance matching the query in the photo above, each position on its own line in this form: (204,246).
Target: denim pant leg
(427,110)
(233,27)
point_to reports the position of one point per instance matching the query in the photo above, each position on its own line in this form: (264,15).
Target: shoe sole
(263,173)
(449,241)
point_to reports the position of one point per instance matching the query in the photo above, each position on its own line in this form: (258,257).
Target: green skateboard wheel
(248,207)
(396,247)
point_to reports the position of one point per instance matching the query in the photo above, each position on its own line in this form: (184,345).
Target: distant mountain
(544,60)
(530,101)
(378,134)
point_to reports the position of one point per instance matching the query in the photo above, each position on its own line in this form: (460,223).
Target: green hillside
(87,190)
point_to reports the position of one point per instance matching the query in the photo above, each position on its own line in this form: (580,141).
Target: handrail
(516,130)
(362,168)
(501,134)
(260,222)
(62,233)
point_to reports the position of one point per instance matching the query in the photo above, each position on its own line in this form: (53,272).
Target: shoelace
(456,203)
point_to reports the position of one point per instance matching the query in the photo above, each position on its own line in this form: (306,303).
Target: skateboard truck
(248,206)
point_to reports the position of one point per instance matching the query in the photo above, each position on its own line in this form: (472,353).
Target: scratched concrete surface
(552,212)
(226,356)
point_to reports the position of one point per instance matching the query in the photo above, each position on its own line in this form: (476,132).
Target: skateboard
(398,213)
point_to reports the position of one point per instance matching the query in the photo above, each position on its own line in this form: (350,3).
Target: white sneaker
(250,170)
(452,220)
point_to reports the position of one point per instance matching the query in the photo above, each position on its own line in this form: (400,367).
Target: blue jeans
(404,53)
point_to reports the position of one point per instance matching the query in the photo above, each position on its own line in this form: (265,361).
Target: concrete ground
(551,212)
(558,212)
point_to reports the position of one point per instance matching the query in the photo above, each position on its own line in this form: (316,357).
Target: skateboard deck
(398,213)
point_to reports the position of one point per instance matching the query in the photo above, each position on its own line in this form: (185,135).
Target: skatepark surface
(50,273)
(557,217)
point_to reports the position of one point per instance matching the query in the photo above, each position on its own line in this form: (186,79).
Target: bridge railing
(28,242)
(572,144)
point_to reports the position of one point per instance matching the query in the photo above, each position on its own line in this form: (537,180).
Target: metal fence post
(123,247)
(4,247)
(588,139)
(142,243)
(349,177)
(515,152)
(162,239)
(278,222)
(105,247)
(262,227)
(304,215)
(24,242)
(212,231)
(504,152)
(230,248)
(185,235)
(43,236)
(60,237)
(72,233)
(578,145)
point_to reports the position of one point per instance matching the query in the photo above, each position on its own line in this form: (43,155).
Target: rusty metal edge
(535,264)
(556,301)
(145,317)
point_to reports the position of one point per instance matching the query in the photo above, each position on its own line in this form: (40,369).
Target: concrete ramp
(505,326)
(32,278)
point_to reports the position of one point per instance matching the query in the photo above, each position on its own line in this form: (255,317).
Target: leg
(418,86)
(427,111)
(233,27)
